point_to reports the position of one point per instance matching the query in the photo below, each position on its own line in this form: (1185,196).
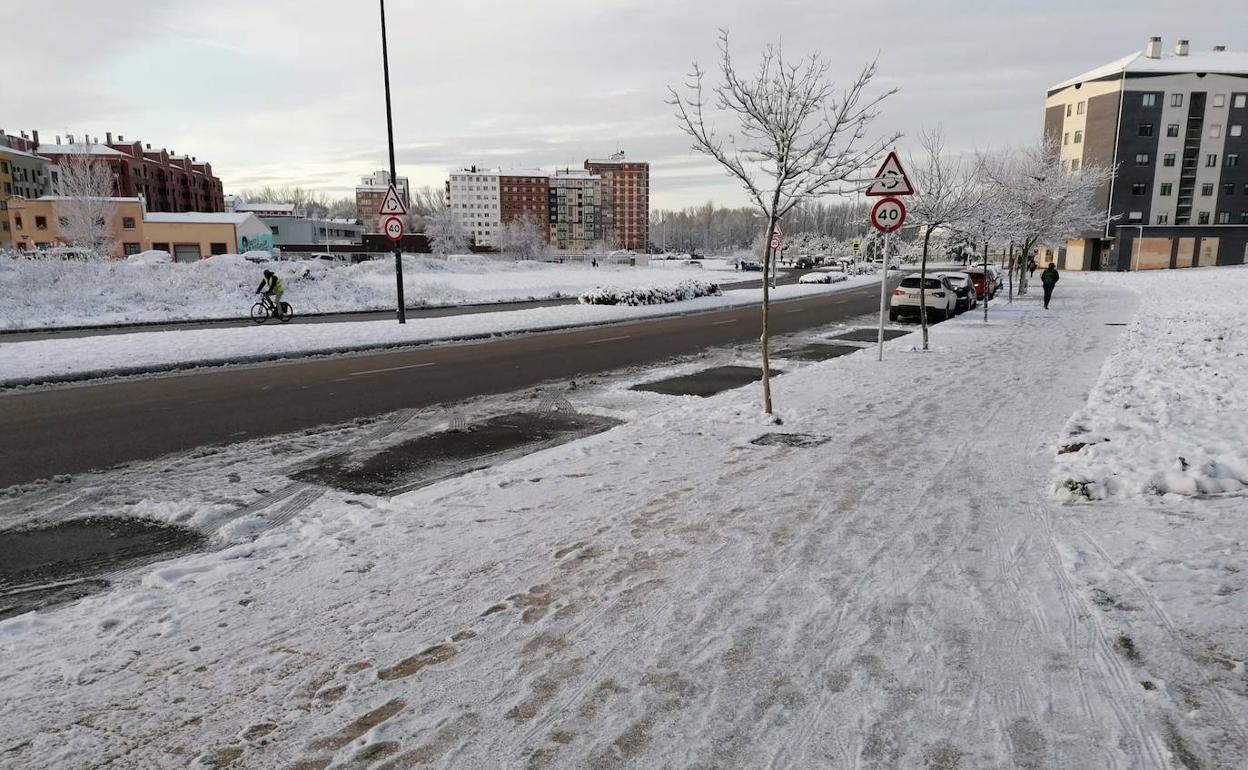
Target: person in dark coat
(1031,267)
(1049,278)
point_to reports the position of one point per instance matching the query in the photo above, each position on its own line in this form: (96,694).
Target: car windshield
(957,279)
(912,282)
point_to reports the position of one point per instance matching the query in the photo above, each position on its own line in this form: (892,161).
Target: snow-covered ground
(668,594)
(53,360)
(51,293)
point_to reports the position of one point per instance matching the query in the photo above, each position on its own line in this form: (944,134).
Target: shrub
(658,295)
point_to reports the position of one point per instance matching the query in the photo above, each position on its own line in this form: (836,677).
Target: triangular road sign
(392,203)
(891,179)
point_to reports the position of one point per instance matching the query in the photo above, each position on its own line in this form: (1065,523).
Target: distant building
(525,195)
(371,191)
(166,180)
(625,201)
(574,210)
(302,231)
(473,194)
(188,236)
(1174,124)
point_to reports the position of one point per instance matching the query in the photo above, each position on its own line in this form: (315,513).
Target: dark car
(962,288)
(751,265)
(804,263)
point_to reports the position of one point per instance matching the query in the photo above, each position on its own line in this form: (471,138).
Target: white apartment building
(473,194)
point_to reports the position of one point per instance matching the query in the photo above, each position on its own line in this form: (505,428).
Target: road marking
(796,310)
(609,339)
(392,369)
(728,321)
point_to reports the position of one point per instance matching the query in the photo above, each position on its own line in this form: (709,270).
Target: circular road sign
(393,228)
(888,214)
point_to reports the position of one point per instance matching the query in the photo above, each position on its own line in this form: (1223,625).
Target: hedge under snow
(655,295)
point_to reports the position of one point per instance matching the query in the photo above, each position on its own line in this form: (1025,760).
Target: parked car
(804,263)
(985,285)
(964,288)
(752,265)
(938,292)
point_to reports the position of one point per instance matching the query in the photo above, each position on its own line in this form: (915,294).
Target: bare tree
(1051,202)
(995,216)
(795,138)
(88,217)
(522,238)
(944,192)
(446,233)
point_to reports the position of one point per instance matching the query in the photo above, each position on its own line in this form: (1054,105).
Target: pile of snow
(51,293)
(1168,415)
(822,277)
(153,257)
(614,295)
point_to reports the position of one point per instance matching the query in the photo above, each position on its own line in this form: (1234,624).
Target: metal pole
(986,277)
(883,297)
(398,246)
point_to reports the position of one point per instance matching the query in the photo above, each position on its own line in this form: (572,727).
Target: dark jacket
(1049,276)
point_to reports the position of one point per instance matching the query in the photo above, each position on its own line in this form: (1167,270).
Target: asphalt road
(727,280)
(88,427)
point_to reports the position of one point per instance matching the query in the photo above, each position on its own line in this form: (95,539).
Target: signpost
(777,237)
(888,215)
(398,249)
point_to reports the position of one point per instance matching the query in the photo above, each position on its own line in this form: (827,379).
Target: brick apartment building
(625,201)
(525,195)
(168,181)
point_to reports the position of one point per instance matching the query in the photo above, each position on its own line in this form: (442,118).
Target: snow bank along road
(68,360)
(669,594)
(73,429)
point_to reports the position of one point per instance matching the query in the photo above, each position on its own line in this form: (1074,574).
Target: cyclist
(273,288)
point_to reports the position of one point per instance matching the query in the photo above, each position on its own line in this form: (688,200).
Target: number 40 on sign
(888,214)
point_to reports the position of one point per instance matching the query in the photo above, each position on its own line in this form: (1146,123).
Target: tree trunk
(986,278)
(767,257)
(927,236)
(1020,286)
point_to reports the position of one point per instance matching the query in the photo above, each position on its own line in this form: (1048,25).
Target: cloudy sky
(290,91)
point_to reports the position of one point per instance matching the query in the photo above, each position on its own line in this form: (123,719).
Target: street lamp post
(398,245)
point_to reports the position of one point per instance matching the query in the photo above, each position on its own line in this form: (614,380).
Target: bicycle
(264,310)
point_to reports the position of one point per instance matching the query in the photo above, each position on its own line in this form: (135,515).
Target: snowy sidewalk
(663,595)
(67,360)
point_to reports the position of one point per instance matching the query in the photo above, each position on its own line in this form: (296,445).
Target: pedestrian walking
(1049,278)
(1031,268)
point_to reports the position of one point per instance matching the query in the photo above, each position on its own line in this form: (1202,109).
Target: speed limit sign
(888,214)
(393,228)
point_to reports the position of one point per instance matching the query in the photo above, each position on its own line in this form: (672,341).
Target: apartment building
(625,203)
(474,195)
(525,195)
(166,180)
(1175,124)
(371,191)
(574,210)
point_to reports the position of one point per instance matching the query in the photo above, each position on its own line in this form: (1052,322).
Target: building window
(274,228)
(1079,108)
(216,248)
(1215,130)
(1163,219)
(1172,129)
(1146,129)
(1148,100)
(41,223)
(1202,218)
(1224,217)
(1139,189)
(1167,159)
(1219,100)
(17,222)
(130,248)
(1141,159)
(1243,220)
(1066,138)
(1232,159)
(1068,110)
(1240,100)
(1135,216)
(1206,189)
(1176,100)
(160,247)
(1078,137)
(1211,160)
(1166,188)
(127,223)
(1237,130)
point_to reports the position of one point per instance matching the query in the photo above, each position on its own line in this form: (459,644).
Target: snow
(49,293)
(668,594)
(77,358)
(151,257)
(200,217)
(1167,417)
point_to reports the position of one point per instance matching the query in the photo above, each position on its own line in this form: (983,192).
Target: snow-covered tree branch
(522,239)
(446,233)
(88,216)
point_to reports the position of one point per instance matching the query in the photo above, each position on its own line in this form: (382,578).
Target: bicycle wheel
(259,313)
(288,312)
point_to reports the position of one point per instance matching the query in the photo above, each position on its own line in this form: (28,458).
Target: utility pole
(398,245)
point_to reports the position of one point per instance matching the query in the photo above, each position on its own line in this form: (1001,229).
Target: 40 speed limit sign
(888,214)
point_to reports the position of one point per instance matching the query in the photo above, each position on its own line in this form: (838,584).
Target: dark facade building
(525,196)
(625,201)
(1175,125)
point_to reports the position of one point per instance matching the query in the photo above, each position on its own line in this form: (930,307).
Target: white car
(940,295)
